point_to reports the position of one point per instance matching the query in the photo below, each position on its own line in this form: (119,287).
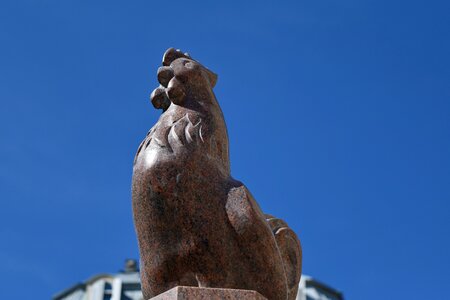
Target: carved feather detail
(181,132)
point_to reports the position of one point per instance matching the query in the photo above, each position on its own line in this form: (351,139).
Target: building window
(107,294)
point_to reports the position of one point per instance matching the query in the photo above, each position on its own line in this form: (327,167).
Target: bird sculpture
(196,225)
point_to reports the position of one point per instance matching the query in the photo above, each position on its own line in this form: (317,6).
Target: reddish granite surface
(195,293)
(196,225)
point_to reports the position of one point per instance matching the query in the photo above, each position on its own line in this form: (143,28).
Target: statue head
(182,78)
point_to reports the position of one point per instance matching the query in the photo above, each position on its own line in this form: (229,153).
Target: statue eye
(189,65)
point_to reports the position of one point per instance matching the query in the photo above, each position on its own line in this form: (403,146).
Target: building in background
(311,289)
(126,285)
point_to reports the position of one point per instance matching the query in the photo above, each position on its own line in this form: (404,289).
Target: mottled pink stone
(196,225)
(196,293)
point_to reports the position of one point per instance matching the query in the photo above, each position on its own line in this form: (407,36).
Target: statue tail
(291,253)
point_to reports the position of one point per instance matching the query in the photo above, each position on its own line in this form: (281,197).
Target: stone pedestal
(196,293)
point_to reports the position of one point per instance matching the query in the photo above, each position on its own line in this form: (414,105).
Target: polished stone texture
(196,293)
(196,225)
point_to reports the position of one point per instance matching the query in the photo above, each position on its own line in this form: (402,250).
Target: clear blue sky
(338,114)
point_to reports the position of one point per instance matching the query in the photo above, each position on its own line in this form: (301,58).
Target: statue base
(198,293)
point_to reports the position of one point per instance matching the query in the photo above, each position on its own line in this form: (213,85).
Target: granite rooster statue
(196,225)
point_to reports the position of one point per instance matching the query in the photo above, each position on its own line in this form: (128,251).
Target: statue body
(196,225)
